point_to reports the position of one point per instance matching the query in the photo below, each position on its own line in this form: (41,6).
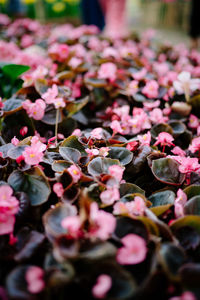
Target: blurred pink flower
(34,277)
(102,223)
(151,89)
(116,127)
(33,154)
(178,151)
(110,195)
(15,141)
(134,208)
(97,133)
(132,88)
(180,201)
(133,251)
(75,173)
(145,139)
(58,189)
(187,295)
(73,225)
(193,121)
(189,165)
(92,152)
(35,110)
(116,171)
(59,52)
(107,71)
(164,139)
(50,94)
(195,146)
(23,131)
(102,286)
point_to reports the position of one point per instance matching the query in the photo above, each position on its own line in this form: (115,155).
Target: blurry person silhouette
(15,8)
(92,13)
(115,17)
(195,23)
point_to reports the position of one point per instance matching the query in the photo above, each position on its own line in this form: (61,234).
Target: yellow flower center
(32,155)
(75,172)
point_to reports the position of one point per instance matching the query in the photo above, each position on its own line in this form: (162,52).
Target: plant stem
(56,126)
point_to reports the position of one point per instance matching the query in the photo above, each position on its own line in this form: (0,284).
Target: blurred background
(168,16)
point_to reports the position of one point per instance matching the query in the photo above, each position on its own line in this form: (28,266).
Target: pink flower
(107,71)
(145,139)
(193,121)
(50,94)
(23,131)
(76,132)
(73,225)
(150,105)
(102,223)
(178,151)
(133,251)
(140,74)
(102,286)
(75,62)
(103,151)
(33,154)
(151,89)
(132,88)
(132,145)
(15,141)
(185,296)
(9,206)
(97,133)
(58,189)
(92,152)
(134,208)
(179,204)
(164,139)
(195,146)
(116,127)
(35,110)
(1,103)
(188,165)
(156,116)
(116,171)
(75,173)
(59,102)
(110,195)
(59,52)
(34,277)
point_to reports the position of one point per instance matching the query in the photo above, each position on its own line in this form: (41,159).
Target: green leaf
(14,71)
(50,115)
(162,198)
(33,182)
(70,154)
(130,188)
(192,221)
(192,190)
(75,106)
(12,104)
(122,154)
(166,170)
(162,127)
(100,165)
(192,207)
(73,142)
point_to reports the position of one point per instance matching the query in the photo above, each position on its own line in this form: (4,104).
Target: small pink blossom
(184,84)
(150,105)
(188,165)
(102,286)
(73,225)
(180,201)
(133,251)
(15,141)
(58,189)
(134,208)
(102,223)
(33,154)
(76,132)
(156,116)
(75,62)
(1,103)
(178,151)
(140,74)
(195,146)
(35,110)
(59,52)
(116,127)
(132,145)
(34,277)
(187,295)
(23,131)
(103,151)
(92,152)
(193,122)
(116,171)
(75,173)
(59,102)
(50,94)
(151,89)
(132,88)
(107,71)
(110,195)
(164,139)
(97,133)
(145,139)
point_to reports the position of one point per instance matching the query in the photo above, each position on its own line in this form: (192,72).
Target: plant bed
(99,165)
